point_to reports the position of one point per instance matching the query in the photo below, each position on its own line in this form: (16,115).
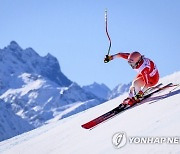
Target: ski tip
(89,125)
(83,126)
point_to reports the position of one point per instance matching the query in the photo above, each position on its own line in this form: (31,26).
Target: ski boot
(131,101)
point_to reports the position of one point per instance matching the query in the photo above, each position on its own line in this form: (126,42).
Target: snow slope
(157,116)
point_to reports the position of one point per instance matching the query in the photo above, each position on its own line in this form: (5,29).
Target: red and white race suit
(147,76)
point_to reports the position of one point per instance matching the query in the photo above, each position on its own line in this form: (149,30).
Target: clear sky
(74,32)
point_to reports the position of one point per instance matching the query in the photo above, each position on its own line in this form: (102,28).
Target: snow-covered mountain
(155,117)
(33,90)
(14,61)
(119,90)
(10,123)
(99,90)
(102,91)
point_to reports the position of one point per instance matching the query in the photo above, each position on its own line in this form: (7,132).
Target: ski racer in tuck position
(147,76)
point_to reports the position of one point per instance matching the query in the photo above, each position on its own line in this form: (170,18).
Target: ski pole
(107,32)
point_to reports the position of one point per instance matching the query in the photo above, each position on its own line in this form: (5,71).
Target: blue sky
(74,32)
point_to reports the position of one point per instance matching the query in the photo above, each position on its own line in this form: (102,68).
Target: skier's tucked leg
(138,87)
(136,91)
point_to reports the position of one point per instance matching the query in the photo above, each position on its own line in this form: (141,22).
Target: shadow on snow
(161,97)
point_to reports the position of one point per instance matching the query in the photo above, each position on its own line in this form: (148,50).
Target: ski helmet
(134,59)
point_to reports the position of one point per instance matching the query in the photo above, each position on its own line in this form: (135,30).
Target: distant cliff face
(16,61)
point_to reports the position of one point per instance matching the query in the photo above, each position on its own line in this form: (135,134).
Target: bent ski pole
(107,32)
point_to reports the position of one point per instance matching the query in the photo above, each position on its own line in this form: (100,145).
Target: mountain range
(102,91)
(33,90)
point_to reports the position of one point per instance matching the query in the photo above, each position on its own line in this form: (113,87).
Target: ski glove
(107,58)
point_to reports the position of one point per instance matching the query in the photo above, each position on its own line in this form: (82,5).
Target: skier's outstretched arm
(121,55)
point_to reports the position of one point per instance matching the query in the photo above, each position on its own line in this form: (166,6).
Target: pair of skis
(93,123)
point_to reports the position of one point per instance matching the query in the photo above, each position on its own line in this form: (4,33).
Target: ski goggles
(134,65)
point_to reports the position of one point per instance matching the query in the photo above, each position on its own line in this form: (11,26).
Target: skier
(147,76)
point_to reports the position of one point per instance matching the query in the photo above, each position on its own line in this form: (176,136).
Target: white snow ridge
(157,116)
